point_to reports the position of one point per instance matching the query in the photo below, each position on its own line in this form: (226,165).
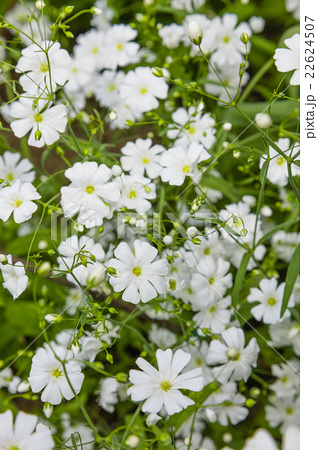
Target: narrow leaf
(239,279)
(292,273)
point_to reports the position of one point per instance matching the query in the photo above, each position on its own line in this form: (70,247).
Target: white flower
(26,433)
(161,387)
(223,39)
(236,359)
(161,337)
(91,45)
(17,199)
(192,232)
(119,49)
(257,24)
(152,419)
(213,315)
(49,374)
(277,170)
(211,279)
(102,20)
(294,7)
(69,256)
(231,404)
(287,59)
(270,298)
(179,163)
(283,411)
(263,440)
(141,89)
(187,5)
(171,35)
(287,383)
(191,126)
(88,193)
(285,334)
(141,156)
(43,67)
(106,87)
(49,122)
(284,244)
(140,278)
(14,277)
(108,394)
(136,191)
(12,168)
(81,74)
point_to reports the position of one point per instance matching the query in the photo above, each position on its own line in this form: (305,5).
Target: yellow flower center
(74,70)
(271,301)
(38,118)
(165,386)
(95,50)
(44,67)
(14,448)
(143,91)
(17,203)
(10,177)
(198,362)
(172,285)
(145,160)
(284,379)
(132,194)
(226,39)
(90,189)
(137,271)
(119,46)
(280,161)
(57,373)
(207,251)
(212,309)
(191,130)
(211,280)
(111,87)
(186,169)
(289,411)
(233,354)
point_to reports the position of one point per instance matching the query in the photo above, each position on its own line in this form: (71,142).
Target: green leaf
(239,279)
(277,228)
(222,185)
(292,274)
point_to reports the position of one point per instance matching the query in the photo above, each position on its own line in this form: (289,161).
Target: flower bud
(210,414)
(38,135)
(47,410)
(96,11)
(44,269)
(227,126)
(132,441)
(132,221)
(112,115)
(192,232)
(40,4)
(141,225)
(195,32)
(75,347)
(53,318)
(68,9)
(157,71)
(263,120)
(244,38)
(23,387)
(167,240)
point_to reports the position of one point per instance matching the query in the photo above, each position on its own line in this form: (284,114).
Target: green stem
(255,80)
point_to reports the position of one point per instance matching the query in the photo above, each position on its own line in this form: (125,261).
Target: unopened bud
(192,232)
(157,71)
(195,32)
(38,135)
(227,126)
(47,410)
(116,170)
(40,5)
(152,419)
(244,38)
(112,115)
(263,120)
(167,240)
(96,11)
(132,441)
(53,318)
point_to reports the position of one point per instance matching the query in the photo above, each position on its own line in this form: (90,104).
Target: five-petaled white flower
(12,168)
(17,199)
(26,433)
(48,373)
(43,67)
(236,359)
(44,121)
(162,387)
(178,163)
(141,156)
(140,277)
(88,193)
